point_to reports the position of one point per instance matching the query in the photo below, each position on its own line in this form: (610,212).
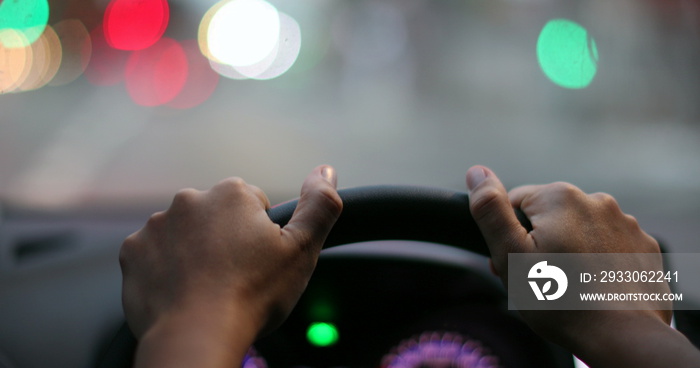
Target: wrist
(631,338)
(200,335)
(598,332)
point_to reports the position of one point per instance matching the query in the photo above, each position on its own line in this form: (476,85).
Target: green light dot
(568,56)
(27,16)
(322,334)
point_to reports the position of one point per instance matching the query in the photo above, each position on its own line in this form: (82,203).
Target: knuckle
(130,241)
(256,190)
(123,257)
(185,197)
(155,220)
(233,183)
(565,190)
(325,199)
(605,200)
(231,188)
(654,245)
(259,193)
(483,203)
(331,199)
(127,249)
(632,221)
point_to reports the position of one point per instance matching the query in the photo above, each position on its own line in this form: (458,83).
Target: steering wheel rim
(427,214)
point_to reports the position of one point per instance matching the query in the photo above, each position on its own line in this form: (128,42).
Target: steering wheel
(371,213)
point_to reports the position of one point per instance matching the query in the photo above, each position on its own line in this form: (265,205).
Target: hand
(214,267)
(567,220)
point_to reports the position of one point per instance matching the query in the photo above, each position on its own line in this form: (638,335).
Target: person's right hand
(567,220)
(207,276)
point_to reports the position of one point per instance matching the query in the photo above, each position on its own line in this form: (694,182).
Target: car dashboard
(384,303)
(373,304)
(401,304)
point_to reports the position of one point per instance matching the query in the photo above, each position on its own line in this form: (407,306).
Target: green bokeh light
(29,17)
(568,56)
(322,334)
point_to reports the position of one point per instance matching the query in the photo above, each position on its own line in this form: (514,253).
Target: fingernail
(329,174)
(475,176)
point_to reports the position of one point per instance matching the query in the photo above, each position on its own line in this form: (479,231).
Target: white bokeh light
(277,62)
(282,56)
(243,32)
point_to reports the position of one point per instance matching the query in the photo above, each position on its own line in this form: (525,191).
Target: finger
(535,200)
(518,195)
(493,213)
(235,189)
(260,194)
(318,208)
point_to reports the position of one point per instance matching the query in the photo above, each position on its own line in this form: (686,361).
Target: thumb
(317,211)
(493,213)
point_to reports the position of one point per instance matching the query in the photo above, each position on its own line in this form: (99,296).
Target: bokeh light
(47,54)
(322,334)
(228,71)
(15,62)
(107,64)
(243,32)
(76,51)
(29,17)
(203,31)
(249,39)
(567,55)
(201,79)
(156,75)
(282,57)
(135,24)
(253,360)
(440,349)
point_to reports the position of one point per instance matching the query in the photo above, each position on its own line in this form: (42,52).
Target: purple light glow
(439,350)
(253,360)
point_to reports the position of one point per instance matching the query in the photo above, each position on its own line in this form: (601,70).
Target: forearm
(633,341)
(198,337)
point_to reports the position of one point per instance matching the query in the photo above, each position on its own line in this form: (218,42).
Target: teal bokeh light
(567,55)
(29,17)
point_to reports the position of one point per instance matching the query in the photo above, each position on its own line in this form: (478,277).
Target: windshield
(599,93)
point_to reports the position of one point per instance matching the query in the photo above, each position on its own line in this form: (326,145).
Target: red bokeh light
(201,81)
(156,75)
(135,24)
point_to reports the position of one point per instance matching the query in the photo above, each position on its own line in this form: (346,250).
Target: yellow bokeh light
(46,53)
(15,62)
(203,32)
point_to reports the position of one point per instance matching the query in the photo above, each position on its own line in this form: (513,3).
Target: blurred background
(115,104)
(108,107)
